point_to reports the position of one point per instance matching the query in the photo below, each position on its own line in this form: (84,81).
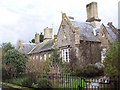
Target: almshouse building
(87,41)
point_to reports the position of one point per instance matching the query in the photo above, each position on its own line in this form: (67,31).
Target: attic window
(103,34)
(64,35)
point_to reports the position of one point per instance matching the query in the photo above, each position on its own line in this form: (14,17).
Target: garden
(18,70)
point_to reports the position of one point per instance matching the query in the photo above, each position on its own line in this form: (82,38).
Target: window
(64,35)
(45,57)
(103,54)
(49,55)
(103,35)
(66,55)
(33,57)
(36,57)
(40,57)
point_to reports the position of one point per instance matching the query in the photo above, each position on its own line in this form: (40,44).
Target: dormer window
(103,34)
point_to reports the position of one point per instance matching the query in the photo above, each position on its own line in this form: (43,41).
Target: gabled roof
(44,46)
(112,36)
(27,47)
(86,31)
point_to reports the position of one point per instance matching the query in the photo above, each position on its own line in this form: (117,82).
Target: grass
(8,85)
(18,80)
(72,82)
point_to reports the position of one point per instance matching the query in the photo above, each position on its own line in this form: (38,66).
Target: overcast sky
(21,19)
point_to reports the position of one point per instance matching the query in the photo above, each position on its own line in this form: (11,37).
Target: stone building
(87,41)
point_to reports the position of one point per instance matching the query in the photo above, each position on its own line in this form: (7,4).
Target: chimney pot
(109,23)
(37,36)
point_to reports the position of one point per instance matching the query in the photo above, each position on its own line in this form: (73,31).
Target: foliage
(33,66)
(26,82)
(88,71)
(99,65)
(44,83)
(15,60)
(41,37)
(33,40)
(112,60)
(34,85)
(7,46)
(73,60)
(54,62)
(67,67)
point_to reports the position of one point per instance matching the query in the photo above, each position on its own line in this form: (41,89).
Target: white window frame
(45,57)
(40,57)
(66,55)
(36,57)
(33,57)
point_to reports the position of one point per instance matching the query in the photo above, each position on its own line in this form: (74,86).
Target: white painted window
(94,31)
(36,57)
(66,55)
(33,57)
(49,55)
(103,54)
(40,57)
(45,57)
(64,34)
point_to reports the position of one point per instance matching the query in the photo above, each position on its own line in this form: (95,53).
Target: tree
(54,63)
(112,60)
(4,48)
(15,60)
(33,40)
(41,38)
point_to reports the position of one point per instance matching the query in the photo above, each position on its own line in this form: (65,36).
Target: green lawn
(72,82)
(18,80)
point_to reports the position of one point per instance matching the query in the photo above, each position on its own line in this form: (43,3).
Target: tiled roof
(112,36)
(86,31)
(27,47)
(44,46)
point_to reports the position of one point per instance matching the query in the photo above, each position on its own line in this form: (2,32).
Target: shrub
(44,83)
(99,65)
(34,85)
(88,71)
(66,68)
(25,82)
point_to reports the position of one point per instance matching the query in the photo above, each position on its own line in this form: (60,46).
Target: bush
(44,83)
(35,85)
(88,71)
(99,65)
(66,68)
(25,82)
